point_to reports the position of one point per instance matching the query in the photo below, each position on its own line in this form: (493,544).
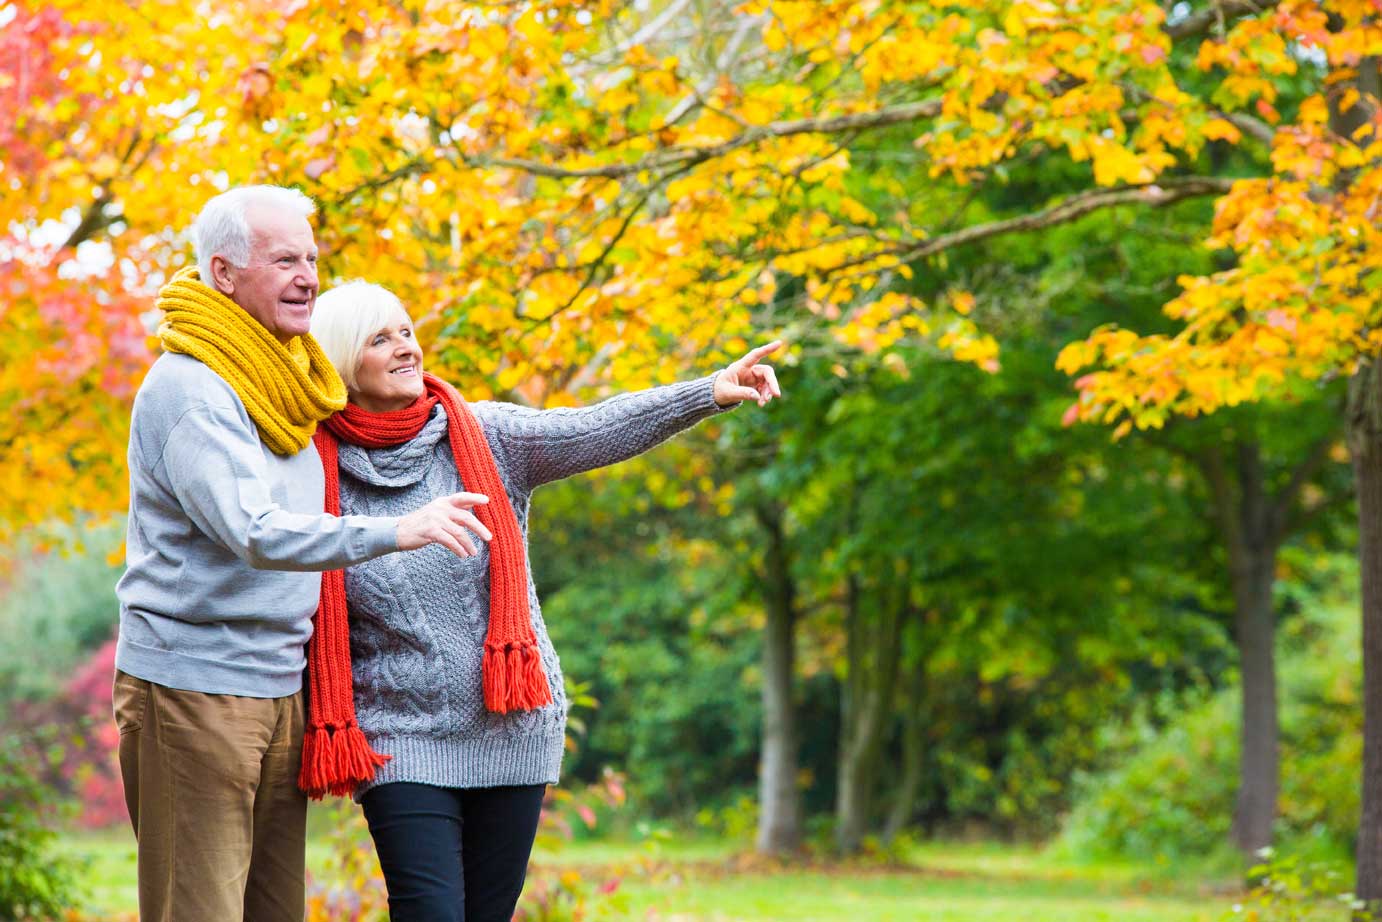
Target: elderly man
(226,524)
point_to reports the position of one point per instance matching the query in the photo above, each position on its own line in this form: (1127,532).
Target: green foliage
(1173,798)
(58,609)
(1291,890)
(1037,604)
(670,658)
(736,821)
(1171,791)
(35,882)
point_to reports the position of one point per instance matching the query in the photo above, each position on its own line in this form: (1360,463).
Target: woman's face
(389,376)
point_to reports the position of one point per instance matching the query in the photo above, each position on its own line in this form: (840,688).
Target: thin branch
(599,261)
(722,64)
(413,167)
(1250,125)
(907,112)
(1158,194)
(650,31)
(1202,20)
(1305,472)
(1222,495)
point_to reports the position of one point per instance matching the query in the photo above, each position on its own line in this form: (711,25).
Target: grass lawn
(701,880)
(944,882)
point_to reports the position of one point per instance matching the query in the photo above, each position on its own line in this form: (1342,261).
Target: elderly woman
(458,690)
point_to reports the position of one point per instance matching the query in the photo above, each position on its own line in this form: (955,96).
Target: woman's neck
(381,405)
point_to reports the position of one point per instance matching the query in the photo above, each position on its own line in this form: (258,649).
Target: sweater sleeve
(215,467)
(547,445)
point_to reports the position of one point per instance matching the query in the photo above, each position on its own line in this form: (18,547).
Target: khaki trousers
(211,785)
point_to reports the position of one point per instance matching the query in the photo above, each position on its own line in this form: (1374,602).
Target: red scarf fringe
(336,756)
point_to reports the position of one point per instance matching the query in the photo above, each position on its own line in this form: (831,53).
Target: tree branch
(722,64)
(1201,20)
(1251,126)
(94,219)
(894,115)
(1306,471)
(411,168)
(599,261)
(1165,192)
(1222,497)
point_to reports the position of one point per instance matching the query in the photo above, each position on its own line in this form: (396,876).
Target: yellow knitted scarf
(286,389)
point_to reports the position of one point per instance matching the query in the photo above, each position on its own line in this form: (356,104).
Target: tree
(1298,303)
(563,188)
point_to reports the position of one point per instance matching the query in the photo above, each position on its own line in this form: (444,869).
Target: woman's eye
(407,334)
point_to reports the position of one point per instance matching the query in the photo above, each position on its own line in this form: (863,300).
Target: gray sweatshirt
(218,594)
(418,621)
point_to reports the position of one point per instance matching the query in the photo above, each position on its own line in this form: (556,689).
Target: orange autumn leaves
(1301,301)
(602,194)
(72,352)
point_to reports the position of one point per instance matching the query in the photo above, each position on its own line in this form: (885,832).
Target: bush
(1289,890)
(1172,795)
(35,884)
(58,609)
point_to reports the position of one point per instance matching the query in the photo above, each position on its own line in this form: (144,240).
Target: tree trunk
(873,652)
(913,756)
(1364,429)
(1251,524)
(1253,564)
(779,802)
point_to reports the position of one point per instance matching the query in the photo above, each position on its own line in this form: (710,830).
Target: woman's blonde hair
(346,317)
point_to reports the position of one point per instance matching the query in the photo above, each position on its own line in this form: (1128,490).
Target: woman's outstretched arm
(546,445)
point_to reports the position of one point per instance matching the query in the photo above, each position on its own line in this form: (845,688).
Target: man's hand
(747,380)
(444,521)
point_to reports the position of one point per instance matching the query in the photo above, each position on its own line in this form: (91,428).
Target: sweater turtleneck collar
(396,465)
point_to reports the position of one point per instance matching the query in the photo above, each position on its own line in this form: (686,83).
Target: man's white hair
(223,230)
(347,317)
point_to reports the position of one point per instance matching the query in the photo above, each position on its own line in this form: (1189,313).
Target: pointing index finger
(758,352)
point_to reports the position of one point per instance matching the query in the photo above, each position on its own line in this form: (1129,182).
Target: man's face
(279,286)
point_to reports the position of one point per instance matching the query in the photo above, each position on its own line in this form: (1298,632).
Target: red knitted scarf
(335,755)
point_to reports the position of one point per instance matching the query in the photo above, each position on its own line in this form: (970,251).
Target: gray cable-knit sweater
(418,621)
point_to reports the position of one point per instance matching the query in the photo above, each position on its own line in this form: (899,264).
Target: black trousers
(453,854)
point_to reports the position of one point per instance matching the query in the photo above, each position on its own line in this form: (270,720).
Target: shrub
(55,613)
(35,883)
(81,713)
(1290,890)
(1172,794)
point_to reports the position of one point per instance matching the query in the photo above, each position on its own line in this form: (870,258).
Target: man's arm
(216,469)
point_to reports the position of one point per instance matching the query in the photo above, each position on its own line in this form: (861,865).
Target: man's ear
(220,276)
